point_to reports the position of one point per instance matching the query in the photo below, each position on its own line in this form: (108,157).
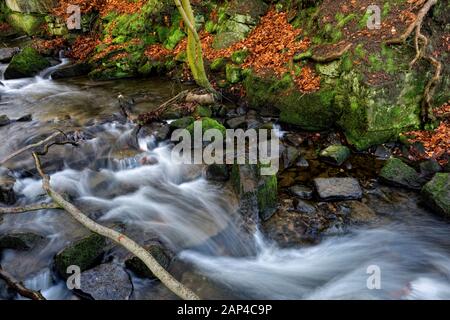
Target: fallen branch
(166,278)
(31,146)
(34,207)
(19,287)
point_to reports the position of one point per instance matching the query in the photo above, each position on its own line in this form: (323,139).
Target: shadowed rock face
(31,6)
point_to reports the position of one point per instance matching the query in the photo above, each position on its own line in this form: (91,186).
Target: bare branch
(165,277)
(19,287)
(33,207)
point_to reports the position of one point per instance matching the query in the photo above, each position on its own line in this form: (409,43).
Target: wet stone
(7,194)
(22,241)
(239,122)
(4,120)
(304,206)
(337,189)
(302,192)
(157,250)
(106,282)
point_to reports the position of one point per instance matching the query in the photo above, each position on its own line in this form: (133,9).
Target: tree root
(331,56)
(166,278)
(421,43)
(19,287)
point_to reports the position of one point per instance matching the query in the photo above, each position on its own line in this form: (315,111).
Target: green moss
(208,123)
(267,196)
(437,193)
(400,174)
(239,57)
(218,64)
(28,23)
(182,123)
(84,254)
(233,73)
(202,111)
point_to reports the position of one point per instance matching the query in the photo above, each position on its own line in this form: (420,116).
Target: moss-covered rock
(218,64)
(335,154)
(226,39)
(437,193)
(27,23)
(239,56)
(312,111)
(27,63)
(397,173)
(202,112)
(84,253)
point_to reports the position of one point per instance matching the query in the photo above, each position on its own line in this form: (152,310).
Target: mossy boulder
(311,111)
(226,39)
(398,173)
(437,194)
(27,63)
(85,253)
(27,23)
(335,154)
(140,269)
(202,111)
(218,64)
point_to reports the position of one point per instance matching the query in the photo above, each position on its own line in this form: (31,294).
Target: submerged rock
(304,206)
(437,194)
(397,173)
(106,282)
(25,118)
(336,189)
(158,252)
(73,70)
(6,54)
(7,194)
(84,253)
(22,241)
(335,154)
(429,168)
(4,120)
(217,172)
(27,63)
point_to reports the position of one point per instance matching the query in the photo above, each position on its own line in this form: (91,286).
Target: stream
(197,219)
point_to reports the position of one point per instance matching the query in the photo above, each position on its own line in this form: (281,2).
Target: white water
(198,220)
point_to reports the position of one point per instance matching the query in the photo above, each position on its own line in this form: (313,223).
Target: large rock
(73,70)
(31,6)
(27,63)
(106,282)
(6,54)
(22,241)
(335,189)
(27,23)
(140,269)
(397,173)
(437,193)
(302,192)
(84,253)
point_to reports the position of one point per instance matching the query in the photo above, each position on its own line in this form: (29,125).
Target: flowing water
(107,178)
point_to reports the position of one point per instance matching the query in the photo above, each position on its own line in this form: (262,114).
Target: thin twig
(33,207)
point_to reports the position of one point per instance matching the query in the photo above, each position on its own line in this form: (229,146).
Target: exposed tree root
(421,44)
(332,55)
(19,287)
(34,207)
